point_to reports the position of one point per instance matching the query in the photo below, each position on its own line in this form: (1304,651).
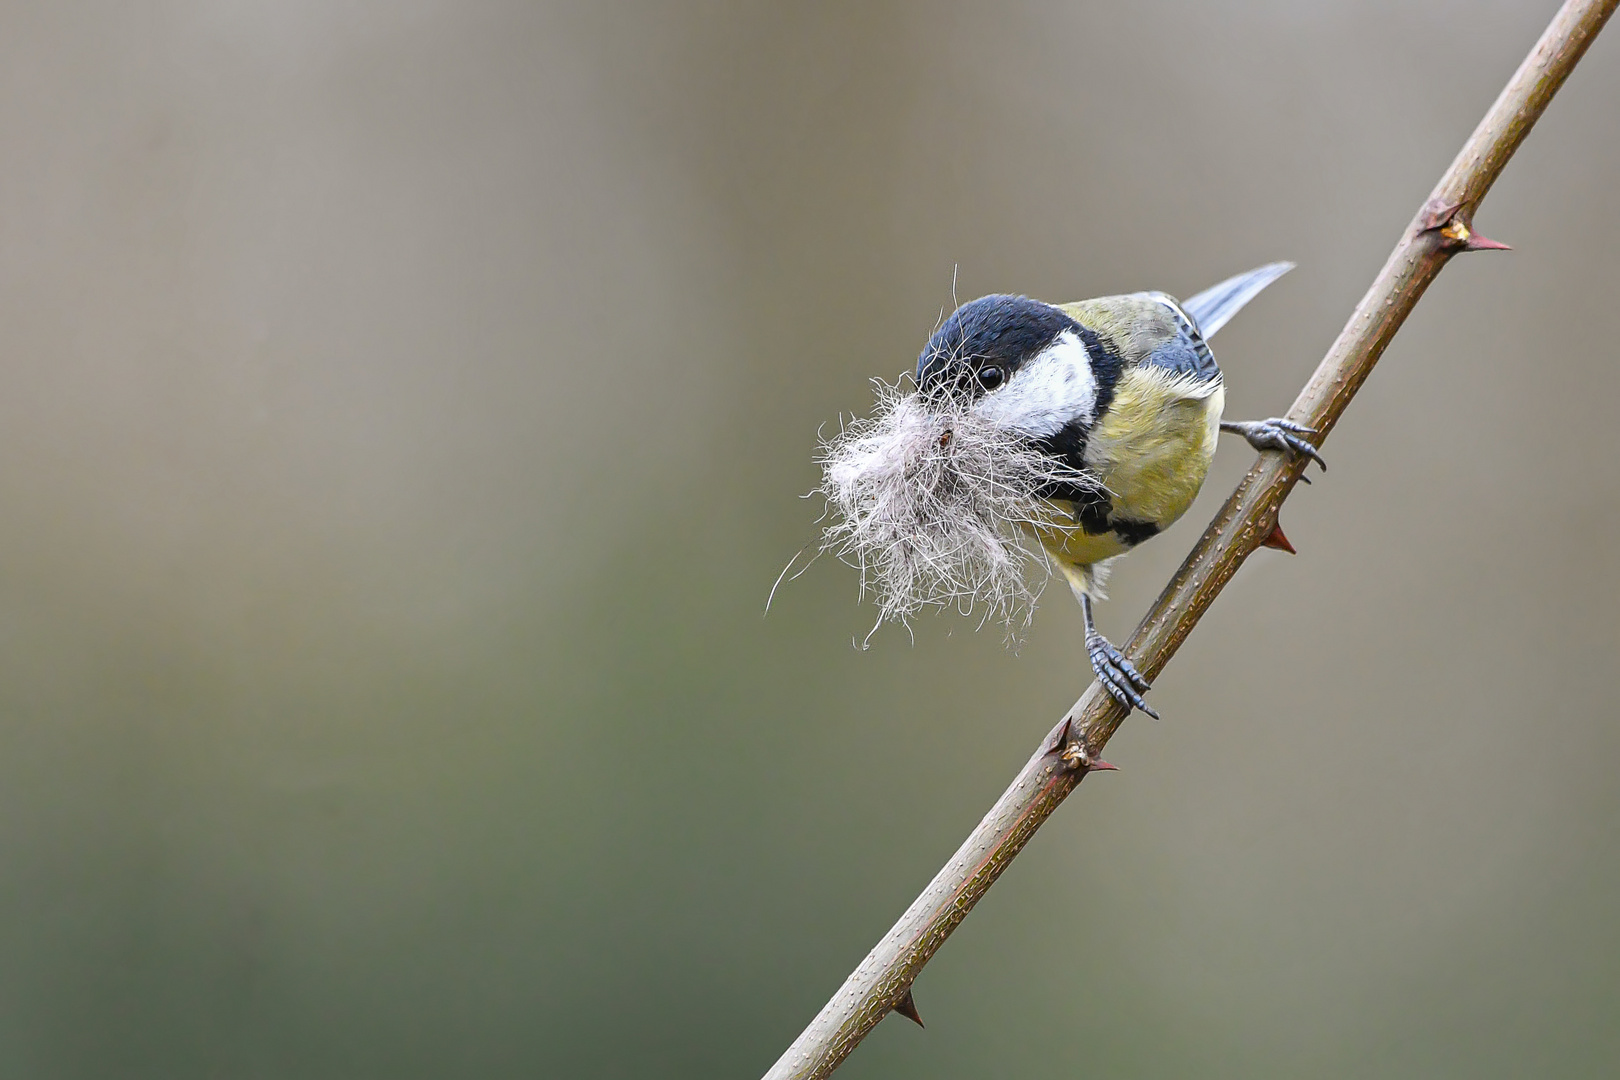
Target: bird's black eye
(990,377)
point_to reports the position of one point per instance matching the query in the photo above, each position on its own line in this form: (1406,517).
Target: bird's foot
(1276,433)
(1117,674)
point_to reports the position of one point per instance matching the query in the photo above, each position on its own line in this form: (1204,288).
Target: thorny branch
(1442,228)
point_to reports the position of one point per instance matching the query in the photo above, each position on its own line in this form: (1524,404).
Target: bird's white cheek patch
(1045,395)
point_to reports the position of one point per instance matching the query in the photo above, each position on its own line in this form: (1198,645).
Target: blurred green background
(404,407)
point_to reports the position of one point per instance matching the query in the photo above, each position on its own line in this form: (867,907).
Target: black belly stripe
(1132,533)
(1091,510)
(1089,506)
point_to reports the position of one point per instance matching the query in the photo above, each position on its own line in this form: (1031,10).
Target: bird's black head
(985,341)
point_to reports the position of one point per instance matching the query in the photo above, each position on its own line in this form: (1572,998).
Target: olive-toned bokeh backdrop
(402,410)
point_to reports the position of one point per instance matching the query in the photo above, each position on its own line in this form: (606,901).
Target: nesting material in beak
(929,500)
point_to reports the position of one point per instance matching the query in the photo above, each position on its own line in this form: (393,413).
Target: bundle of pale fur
(930,500)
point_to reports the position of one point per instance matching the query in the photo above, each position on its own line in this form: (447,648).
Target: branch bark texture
(1442,228)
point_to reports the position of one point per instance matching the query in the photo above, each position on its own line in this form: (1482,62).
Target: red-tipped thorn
(908,1009)
(1477,242)
(1278,540)
(1099,765)
(1461,235)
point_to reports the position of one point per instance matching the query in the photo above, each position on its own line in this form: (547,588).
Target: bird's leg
(1276,434)
(1117,674)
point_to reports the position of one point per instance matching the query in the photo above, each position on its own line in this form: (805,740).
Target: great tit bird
(1125,393)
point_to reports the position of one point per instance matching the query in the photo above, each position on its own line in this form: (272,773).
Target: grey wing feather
(1212,308)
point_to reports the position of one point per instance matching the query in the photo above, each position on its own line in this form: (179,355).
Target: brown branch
(1441,229)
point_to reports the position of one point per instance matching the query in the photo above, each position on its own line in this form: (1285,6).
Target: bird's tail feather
(1212,308)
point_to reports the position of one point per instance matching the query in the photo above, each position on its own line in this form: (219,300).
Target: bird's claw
(1276,433)
(1117,674)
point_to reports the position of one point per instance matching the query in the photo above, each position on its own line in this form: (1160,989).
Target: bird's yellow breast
(1151,451)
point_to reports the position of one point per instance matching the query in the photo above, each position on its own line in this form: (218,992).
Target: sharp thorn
(1061,738)
(908,1009)
(1277,540)
(1459,235)
(1477,242)
(1099,765)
